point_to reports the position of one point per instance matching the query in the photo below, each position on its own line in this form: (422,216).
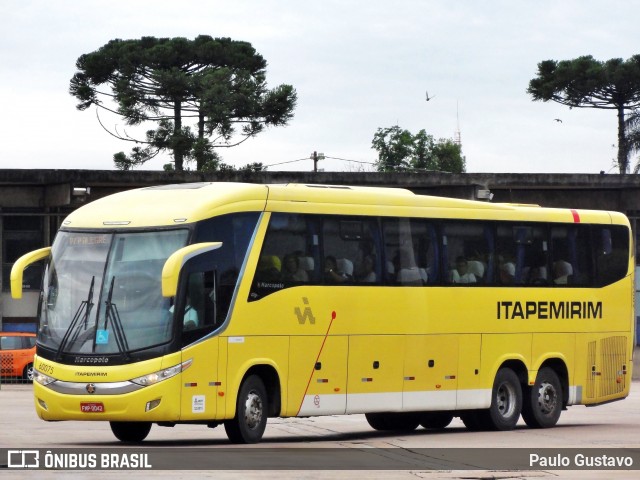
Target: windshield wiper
(80,319)
(118,330)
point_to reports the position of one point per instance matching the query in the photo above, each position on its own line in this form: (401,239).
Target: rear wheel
(130,431)
(506,401)
(542,403)
(251,412)
(402,422)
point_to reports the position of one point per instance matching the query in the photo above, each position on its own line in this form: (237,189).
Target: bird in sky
(558,120)
(428,97)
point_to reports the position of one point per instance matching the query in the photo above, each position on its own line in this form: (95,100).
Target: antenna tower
(456,136)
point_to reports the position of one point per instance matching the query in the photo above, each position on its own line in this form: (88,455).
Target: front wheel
(542,403)
(133,432)
(251,412)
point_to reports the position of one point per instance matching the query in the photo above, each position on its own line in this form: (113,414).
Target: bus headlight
(155,377)
(41,378)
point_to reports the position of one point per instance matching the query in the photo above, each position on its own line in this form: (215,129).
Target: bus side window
(465,251)
(612,253)
(571,261)
(350,251)
(200,313)
(288,255)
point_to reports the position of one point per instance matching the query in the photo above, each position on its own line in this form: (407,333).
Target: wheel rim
(547,398)
(253,410)
(505,399)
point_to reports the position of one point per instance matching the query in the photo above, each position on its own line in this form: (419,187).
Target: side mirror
(174,264)
(23,262)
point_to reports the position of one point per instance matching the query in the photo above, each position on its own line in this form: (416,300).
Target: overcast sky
(356,65)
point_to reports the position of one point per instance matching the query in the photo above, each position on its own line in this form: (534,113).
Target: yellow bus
(228,303)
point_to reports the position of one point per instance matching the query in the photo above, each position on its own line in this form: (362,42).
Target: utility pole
(315,156)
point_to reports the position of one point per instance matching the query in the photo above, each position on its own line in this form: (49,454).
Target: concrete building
(33,203)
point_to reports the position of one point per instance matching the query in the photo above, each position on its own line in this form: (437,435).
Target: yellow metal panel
(168,206)
(548,346)
(317,375)
(245,352)
(376,365)
(499,348)
(431,362)
(200,382)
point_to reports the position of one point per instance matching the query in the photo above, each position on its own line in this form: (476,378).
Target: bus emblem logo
(306,314)
(91,388)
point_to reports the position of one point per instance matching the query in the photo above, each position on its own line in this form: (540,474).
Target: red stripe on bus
(576,216)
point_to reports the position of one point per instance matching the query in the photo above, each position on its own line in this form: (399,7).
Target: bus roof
(171,205)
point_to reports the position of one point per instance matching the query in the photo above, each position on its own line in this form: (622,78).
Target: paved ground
(613,426)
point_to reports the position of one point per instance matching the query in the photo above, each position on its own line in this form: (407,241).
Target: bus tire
(435,420)
(251,412)
(130,432)
(475,421)
(542,403)
(401,422)
(27,373)
(506,401)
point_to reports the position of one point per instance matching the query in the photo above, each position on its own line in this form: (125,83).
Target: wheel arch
(271,379)
(519,368)
(559,366)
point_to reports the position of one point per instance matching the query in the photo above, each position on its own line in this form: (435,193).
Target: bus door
(197,317)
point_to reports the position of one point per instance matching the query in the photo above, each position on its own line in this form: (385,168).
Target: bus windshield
(102,292)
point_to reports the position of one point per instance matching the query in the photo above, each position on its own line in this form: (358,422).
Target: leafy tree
(400,150)
(219,85)
(449,155)
(394,146)
(632,132)
(586,82)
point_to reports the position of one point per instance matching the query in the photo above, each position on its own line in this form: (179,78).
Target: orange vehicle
(16,354)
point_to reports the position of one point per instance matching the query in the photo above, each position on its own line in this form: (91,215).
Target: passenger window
(411,252)
(612,260)
(11,343)
(533,252)
(201,310)
(350,251)
(466,253)
(289,255)
(522,257)
(570,255)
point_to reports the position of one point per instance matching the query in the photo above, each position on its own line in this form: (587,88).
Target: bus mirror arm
(175,262)
(17,271)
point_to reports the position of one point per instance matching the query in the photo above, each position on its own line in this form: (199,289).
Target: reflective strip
(105,388)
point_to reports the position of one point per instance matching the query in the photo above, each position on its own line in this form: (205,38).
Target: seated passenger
(476,267)
(368,274)
(269,268)
(507,273)
(461,273)
(291,271)
(190,316)
(331,272)
(561,272)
